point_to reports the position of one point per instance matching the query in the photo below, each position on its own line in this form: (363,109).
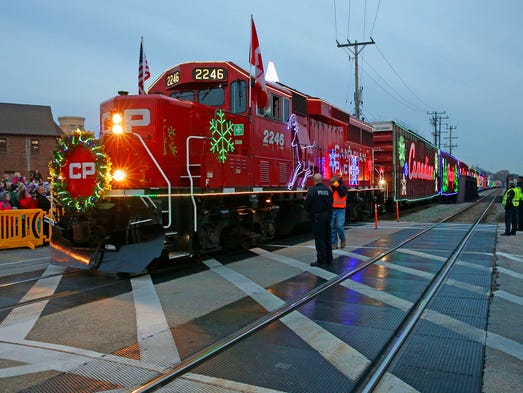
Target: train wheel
(230,237)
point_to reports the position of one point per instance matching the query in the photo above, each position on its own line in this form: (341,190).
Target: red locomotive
(195,166)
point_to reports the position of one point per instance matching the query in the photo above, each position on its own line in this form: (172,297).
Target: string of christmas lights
(59,161)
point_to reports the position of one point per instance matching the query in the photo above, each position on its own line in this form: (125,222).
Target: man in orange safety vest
(339,195)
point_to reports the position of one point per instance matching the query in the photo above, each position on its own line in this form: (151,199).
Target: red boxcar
(408,164)
(449,174)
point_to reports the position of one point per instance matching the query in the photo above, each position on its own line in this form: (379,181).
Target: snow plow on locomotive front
(99,229)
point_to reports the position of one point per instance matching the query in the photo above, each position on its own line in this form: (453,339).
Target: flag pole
(143,69)
(140,68)
(250,68)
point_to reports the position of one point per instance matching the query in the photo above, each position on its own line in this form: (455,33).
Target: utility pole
(356,48)
(451,145)
(439,130)
(435,120)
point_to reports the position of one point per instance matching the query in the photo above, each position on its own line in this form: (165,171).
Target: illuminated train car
(463,169)
(408,165)
(449,174)
(194,167)
(492,183)
(481,179)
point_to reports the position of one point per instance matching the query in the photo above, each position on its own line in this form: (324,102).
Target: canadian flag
(260,87)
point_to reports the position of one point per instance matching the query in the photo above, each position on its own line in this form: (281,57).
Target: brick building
(28,135)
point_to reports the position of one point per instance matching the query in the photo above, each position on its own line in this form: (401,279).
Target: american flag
(143,70)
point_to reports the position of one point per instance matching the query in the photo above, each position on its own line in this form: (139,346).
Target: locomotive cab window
(183,95)
(286,109)
(212,96)
(273,109)
(238,96)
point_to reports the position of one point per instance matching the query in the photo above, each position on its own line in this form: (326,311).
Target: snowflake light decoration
(221,135)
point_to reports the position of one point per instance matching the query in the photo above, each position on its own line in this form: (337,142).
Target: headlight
(118,175)
(117,127)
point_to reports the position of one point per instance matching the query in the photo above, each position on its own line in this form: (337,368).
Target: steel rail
(379,366)
(60,294)
(34,279)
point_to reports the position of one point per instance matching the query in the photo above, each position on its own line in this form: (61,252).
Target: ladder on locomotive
(193,175)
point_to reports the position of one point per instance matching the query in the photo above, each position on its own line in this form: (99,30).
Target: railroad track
(280,308)
(91,282)
(376,369)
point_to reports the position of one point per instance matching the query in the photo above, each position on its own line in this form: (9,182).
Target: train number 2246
(273,138)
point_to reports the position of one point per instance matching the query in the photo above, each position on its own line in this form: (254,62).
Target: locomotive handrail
(163,174)
(187,163)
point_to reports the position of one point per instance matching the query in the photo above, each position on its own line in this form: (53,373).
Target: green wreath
(103,168)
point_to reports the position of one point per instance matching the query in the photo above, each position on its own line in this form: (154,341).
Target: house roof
(21,119)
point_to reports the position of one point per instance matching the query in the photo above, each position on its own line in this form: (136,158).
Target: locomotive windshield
(215,96)
(183,95)
(212,96)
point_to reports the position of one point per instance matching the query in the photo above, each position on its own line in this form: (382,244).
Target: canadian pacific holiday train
(194,167)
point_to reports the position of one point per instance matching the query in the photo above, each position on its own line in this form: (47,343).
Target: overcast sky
(463,57)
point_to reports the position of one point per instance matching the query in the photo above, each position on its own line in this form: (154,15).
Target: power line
(335,22)
(402,100)
(401,79)
(354,48)
(375,17)
(348,19)
(364,18)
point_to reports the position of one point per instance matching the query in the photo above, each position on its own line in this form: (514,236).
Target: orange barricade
(23,228)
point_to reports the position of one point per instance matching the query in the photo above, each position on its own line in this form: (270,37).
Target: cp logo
(79,172)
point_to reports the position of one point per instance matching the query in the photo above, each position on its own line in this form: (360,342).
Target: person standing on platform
(520,207)
(25,200)
(318,203)
(43,201)
(511,202)
(339,195)
(36,176)
(14,197)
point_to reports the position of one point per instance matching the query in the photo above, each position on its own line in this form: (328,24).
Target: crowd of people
(18,192)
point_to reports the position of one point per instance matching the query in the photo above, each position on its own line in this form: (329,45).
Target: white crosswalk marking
(21,320)
(501,343)
(154,335)
(342,356)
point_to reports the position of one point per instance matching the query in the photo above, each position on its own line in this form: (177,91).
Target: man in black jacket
(319,205)
(44,203)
